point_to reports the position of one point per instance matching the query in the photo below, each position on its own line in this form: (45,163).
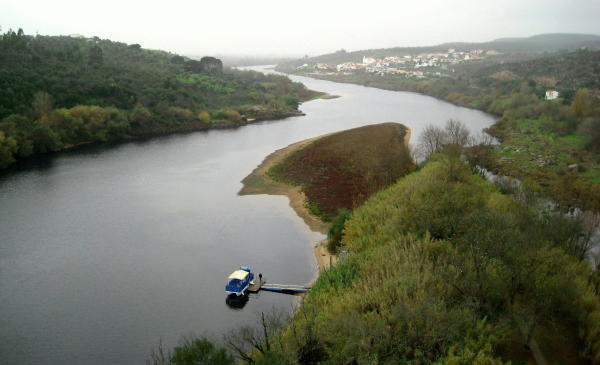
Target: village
(417,66)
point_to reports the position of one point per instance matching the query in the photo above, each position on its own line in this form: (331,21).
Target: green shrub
(336,230)
(200,352)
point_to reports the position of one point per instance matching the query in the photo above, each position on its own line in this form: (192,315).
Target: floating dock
(278,288)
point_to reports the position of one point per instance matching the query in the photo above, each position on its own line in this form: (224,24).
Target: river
(107,250)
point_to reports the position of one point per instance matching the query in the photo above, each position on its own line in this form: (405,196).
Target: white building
(552,94)
(368,60)
(348,66)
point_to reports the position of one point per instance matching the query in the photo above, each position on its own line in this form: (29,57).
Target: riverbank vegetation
(551,145)
(341,170)
(444,268)
(59,92)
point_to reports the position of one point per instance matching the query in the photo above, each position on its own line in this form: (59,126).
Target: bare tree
(159,356)
(242,341)
(457,132)
(431,141)
(482,139)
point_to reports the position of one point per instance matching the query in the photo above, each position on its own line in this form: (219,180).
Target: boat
(239,280)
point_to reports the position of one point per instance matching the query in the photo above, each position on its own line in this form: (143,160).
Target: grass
(530,150)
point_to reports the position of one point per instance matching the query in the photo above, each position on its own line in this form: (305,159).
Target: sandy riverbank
(258,182)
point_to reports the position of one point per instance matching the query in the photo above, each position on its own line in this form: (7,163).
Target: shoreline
(144,135)
(150,134)
(333,79)
(258,182)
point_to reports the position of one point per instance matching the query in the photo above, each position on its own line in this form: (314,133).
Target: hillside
(57,92)
(340,171)
(443,268)
(525,48)
(552,145)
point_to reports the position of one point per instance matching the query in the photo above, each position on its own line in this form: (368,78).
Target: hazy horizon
(272,28)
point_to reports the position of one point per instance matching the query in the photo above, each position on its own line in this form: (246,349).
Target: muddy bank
(258,182)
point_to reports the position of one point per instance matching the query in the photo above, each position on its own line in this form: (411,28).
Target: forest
(58,92)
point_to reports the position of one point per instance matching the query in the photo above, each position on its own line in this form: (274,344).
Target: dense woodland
(57,92)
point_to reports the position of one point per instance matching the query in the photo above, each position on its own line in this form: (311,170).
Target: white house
(552,94)
(368,60)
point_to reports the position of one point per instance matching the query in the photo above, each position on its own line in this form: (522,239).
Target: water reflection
(237,302)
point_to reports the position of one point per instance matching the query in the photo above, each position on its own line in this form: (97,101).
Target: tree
(590,127)
(191,351)
(8,146)
(457,132)
(582,103)
(95,58)
(263,339)
(233,115)
(211,65)
(204,117)
(337,229)
(292,101)
(42,105)
(431,141)
(45,139)
(178,60)
(200,352)
(140,116)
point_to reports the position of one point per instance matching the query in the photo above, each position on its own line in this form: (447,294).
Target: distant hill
(526,46)
(554,39)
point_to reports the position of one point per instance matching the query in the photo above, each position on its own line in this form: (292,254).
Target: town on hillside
(418,65)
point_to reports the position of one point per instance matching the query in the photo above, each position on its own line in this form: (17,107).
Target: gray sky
(298,27)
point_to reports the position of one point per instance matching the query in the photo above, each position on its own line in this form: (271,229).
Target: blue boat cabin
(239,280)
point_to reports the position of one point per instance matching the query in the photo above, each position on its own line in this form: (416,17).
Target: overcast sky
(298,27)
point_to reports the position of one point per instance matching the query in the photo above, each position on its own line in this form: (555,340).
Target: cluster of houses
(407,65)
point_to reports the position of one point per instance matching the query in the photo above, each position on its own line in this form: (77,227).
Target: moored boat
(239,280)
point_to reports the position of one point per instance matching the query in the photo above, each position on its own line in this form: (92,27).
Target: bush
(336,230)
(233,116)
(204,117)
(200,352)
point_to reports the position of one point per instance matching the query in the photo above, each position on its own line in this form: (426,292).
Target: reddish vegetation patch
(343,169)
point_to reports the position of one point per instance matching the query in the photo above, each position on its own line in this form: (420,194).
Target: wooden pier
(254,288)
(278,288)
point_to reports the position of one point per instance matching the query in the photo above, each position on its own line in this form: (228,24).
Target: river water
(107,250)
